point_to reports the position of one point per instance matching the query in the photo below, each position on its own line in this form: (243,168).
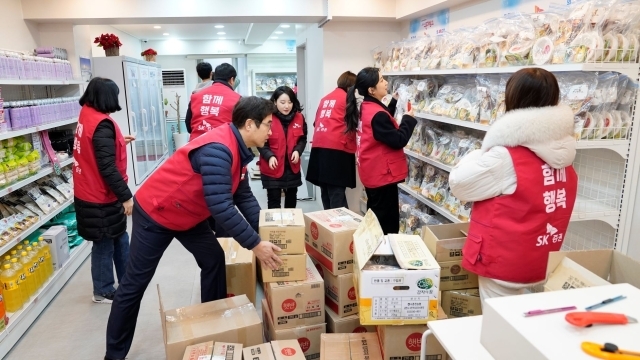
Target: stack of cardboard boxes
(329,242)
(293,308)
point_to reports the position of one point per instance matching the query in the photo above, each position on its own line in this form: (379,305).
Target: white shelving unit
(31,130)
(40,174)
(40,82)
(606,168)
(265,73)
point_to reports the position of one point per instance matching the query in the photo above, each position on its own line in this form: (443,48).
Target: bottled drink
(11,294)
(35,261)
(27,266)
(22,277)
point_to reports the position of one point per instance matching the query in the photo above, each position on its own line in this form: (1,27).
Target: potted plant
(110,43)
(149,55)
(179,138)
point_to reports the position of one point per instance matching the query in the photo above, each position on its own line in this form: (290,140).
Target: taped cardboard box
(445,242)
(345,325)
(287,350)
(233,320)
(453,276)
(284,228)
(461,303)
(335,346)
(609,265)
(382,292)
(293,269)
(307,336)
(227,351)
(363,346)
(340,293)
(258,352)
(404,342)
(329,238)
(297,303)
(194,352)
(240,265)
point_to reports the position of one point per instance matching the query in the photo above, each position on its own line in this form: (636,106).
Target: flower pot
(180,139)
(150,58)
(114,51)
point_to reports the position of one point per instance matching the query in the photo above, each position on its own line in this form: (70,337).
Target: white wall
(16,34)
(217,47)
(131,46)
(181,62)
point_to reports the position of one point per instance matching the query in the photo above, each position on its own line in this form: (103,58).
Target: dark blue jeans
(104,255)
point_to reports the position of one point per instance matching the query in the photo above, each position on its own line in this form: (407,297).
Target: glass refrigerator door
(145,101)
(134,109)
(157,120)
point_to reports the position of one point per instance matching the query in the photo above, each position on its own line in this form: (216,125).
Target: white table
(461,337)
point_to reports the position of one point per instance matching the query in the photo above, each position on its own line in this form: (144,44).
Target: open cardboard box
(240,265)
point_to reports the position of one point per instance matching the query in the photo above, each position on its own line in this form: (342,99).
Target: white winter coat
(489,172)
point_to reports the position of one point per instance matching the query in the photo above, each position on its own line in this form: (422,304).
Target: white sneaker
(103,299)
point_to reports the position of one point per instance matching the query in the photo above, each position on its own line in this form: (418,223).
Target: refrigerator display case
(142,114)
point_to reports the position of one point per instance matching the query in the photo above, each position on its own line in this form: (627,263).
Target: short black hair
(251,107)
(204,70)
(225,72)
(102,95)
(531,88)
(292,96)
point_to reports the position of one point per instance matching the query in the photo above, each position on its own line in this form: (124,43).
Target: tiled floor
(72,327)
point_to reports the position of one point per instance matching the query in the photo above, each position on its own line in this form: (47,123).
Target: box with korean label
(363,346)
(297,303)
(453,276)
(445,242)
(258,352)
(404,342)
(345,325)
(307,336)
(194,352)
(284,228)
(329,238)
(240,265)
(293,269)
(460,303)
(287,350)
(340,293)
(396,277)
(227,351)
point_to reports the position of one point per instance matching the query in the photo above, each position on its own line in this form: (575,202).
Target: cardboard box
(445,241)
(194,352)
(240,269)
(58,241)
(329,238)
(453,276)
(345,325)
(350,346)
(227,351)
(287,350)
(404,342)
(293,269)
(307,336)
(340,292)
(284,228)
(230,320)
(571,275)
(258,352)
(383,295)
(335,346)
(460,303)
(296,303)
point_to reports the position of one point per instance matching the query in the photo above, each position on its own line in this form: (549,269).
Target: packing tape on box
(187,329)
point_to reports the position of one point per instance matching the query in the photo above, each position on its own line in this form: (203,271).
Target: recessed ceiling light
(157,27)
(219,26)
(285,26)
(274,37)
(278,32)
(221,33)
(166,34)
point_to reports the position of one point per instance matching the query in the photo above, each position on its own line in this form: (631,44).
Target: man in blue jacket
(206,177)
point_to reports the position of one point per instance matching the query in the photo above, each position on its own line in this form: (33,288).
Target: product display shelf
(43,220)
(40,82)
(428,160)
(31,130)
(40,174)
(439,209)
(20,321)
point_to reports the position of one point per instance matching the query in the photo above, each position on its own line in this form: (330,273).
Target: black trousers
(274,198)
(333,197)
(148,243)
(383,201)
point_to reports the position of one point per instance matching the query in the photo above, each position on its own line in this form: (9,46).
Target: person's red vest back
(282,146)
(510,236)
(211,107)
(88,184)
(378,164)
(173,195)
(330,125)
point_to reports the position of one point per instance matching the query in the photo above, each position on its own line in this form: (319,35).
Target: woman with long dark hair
(280,156)
(380,141)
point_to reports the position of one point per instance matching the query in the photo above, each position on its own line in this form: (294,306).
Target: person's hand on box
(265,252)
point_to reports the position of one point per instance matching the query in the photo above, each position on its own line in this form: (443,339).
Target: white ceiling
(205,31)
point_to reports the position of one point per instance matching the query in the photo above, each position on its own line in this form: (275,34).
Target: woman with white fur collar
(523,187)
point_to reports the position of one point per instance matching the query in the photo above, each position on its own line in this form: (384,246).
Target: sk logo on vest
(544,239)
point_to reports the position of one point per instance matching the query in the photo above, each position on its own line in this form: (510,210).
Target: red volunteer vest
(510,236)
(173,195)
(88,183)
(330,125)
(283,146)
(378,164)
(211,108)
